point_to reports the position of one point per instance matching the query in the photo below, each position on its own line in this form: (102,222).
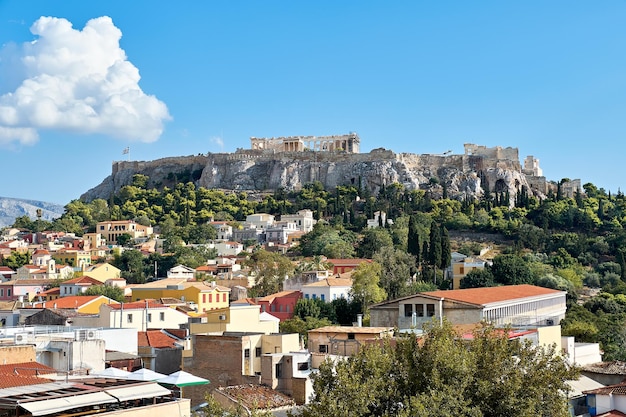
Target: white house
(303,219)
(228,248)
(181,271)
(223,229)
(260,221)
(140,315)
(380,218)
(328,289)
(517,305)
(607,401)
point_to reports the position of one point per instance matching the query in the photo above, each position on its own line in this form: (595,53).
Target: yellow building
(240,318)
(75,258)
(103,272)
(462,268)
(206,295)
(86,304)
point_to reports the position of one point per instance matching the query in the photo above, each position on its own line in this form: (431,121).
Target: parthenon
(347,143)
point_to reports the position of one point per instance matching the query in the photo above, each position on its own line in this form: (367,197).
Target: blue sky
(169,79)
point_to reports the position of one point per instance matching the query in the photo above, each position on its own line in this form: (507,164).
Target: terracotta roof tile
(26,368)
(83,280)
(72,301)
(487,295)
(156,339)
(281,294)
(617,389)
(11,380)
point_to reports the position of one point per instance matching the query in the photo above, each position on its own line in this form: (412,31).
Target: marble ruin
(347,143)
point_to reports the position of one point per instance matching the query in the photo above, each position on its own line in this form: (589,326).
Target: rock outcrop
(267,170)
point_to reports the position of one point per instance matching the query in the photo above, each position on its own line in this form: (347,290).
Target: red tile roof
(73,301)
(26,369)
(617,389)
(83,280)
(281,294)
(487,295)
(12,380)
(155,339)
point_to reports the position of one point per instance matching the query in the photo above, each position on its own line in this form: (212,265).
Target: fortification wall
(496,153)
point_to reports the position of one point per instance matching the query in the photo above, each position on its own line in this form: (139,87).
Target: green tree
(397,267)
(478,278)
(510,270)
(124,239)
(111,291)
(16,260)
(130,262)
(302,326)
(374,239)
(269,270)
(443,375)
(365,284)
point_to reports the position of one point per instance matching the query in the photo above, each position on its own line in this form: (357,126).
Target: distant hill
(11,208)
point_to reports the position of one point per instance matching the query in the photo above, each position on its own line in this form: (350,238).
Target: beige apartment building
(112,229)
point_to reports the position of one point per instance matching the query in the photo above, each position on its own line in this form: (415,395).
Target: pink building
(281,304)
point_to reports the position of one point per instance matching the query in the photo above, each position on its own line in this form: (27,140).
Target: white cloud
(77,81)
(217,140)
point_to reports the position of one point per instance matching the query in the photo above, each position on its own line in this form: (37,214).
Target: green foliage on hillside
(557,242)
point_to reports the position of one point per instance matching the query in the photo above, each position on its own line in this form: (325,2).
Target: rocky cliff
(264,170)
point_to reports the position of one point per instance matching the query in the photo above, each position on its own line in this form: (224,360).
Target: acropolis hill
(291,162)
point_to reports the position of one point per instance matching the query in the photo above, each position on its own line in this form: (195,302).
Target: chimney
(359,320)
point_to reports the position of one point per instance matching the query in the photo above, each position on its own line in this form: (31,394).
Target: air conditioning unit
(222,317)
(550,322)
(90,335)
(20,338)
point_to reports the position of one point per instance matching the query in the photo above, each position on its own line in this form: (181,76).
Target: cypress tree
(413,239)
(446,255)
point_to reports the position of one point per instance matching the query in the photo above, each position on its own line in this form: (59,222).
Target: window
(129,318)
(273,307)
(257,352)
(461,270)
(306,296)
(350,336)
(224,297)
(210,298)
(322,297)
(1,292)
(162,316)
(408,310)
(8,292)
(246,353)
(323,348)
(279,370)
(419,309)
(149,317)
(303,366)
(430,310)
(314,296)
(204,298)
